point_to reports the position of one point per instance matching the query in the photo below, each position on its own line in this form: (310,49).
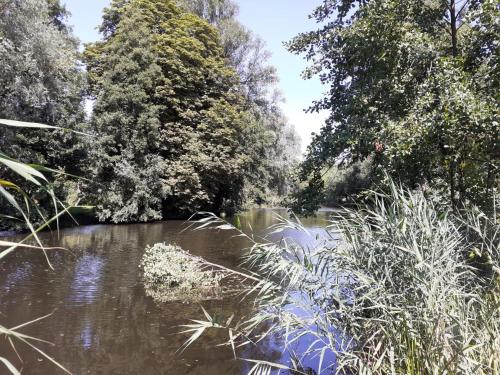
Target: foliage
(40,81)
(197,135)
(273,145)
(31,176)
(339,185)
(414,84)
(171,273)
(245,52)
(169,122)
(397,287)
(450,134)
(309,195)
(40,77)
(274,149)
(216,12)
(346,184)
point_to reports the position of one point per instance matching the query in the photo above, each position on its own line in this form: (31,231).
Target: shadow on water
(102,321)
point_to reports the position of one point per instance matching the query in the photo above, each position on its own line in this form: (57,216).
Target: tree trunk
(453,23)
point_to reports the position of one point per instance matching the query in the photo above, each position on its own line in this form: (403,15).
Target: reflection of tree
(113,328)
(20,274)
(87,280)
(118,330)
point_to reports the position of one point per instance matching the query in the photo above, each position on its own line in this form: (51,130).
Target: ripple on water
(86,285)
(20,275)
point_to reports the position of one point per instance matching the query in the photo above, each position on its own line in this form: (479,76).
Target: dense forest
(185,114)
(174,113)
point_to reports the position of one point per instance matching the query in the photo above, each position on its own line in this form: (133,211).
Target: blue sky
(275,21)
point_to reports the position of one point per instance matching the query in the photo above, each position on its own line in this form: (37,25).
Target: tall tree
(40,81)
(274,143)
(414,83)
(169,120)
(40,78)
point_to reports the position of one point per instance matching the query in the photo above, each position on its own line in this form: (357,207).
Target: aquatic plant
(171,273)
(397,287)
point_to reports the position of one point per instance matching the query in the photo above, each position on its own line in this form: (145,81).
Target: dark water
(102,322)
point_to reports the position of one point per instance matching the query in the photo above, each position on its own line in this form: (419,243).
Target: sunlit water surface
(103,323)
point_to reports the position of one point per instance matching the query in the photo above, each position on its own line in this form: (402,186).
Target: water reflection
(20,275)
(86,284)
(102,322)
(86,336)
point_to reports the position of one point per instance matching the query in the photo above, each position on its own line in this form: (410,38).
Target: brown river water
(102,322)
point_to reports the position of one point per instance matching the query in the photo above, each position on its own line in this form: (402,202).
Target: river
(102,322)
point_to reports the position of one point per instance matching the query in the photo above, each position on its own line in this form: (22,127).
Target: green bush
(171,273)
(399,287)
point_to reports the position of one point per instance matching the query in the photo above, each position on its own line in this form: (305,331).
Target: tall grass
(398,287)
(22,203)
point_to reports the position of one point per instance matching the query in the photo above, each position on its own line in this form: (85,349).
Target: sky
(275,21)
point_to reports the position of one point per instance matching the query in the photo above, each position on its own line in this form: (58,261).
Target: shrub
(398,287)
(170,273)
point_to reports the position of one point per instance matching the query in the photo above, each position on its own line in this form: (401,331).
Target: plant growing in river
(398,287)
(11,193)
(171,273)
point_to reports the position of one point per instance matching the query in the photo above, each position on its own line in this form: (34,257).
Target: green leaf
(9,366)
(34,125)
(23,170)
(8,184)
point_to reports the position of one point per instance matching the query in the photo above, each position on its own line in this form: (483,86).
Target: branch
(463,7)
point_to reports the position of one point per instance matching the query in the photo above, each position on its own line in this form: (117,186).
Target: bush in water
(171,273)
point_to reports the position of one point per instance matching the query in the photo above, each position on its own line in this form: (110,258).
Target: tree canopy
(168,116)
(274,145)
(41,81)
(413,84)
(40,78)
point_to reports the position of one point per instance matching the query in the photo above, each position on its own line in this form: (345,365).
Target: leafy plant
(392,289)
(171,273)
(31,174)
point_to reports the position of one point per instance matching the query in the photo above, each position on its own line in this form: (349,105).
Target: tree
(216,12)
(40,81)
(168,118)
(412,83)
(273,142)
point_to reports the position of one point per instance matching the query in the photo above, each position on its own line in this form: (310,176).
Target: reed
(396,287)
(18,199)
